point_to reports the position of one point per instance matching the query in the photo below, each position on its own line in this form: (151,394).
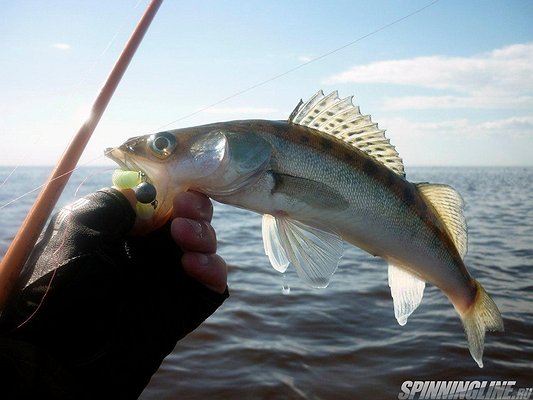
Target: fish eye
(162,144)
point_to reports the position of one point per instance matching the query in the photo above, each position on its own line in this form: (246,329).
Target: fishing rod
(25,239)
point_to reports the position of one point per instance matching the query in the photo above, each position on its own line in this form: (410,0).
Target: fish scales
(382,205)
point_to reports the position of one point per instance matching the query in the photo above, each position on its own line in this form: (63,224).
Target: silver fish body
(325,176)
(329,185)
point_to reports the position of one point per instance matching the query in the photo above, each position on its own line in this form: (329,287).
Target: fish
(326,176)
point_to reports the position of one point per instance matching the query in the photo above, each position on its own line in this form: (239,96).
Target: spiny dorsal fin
(449,206)
(340,118)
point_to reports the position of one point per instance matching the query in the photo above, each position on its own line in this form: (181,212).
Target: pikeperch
(325,176)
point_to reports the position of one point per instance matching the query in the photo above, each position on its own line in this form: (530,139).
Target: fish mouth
(122,159)
(121,154)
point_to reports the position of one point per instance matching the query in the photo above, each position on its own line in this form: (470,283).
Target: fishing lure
(145,192)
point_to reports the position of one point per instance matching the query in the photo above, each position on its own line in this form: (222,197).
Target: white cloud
(403,126)
(61,46)
(513,124)
(502,77)
(304,59)
(448,101)
(512,127)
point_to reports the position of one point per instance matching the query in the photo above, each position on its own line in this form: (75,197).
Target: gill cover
(241,158)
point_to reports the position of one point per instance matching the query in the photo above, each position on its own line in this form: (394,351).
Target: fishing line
(48,287)
(85,76)
(108,46)
(8,176)
(60,247)
(76,88)
(58,177)
(21,246)
(304,64)
(227,98)
(285,286)
(240,92)
(234,95)
(88,178)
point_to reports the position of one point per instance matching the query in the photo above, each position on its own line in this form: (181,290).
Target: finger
(208,269)
(194,235)
(130,196)
(193,205)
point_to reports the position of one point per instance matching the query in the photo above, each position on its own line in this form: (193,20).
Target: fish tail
(483,315)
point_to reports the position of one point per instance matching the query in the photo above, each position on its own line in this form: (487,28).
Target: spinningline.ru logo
(471,390)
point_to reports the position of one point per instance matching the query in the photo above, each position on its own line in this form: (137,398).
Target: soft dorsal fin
(340,118)
(448,204)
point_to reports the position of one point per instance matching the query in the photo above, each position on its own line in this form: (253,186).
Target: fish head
(173,161)
(218,160)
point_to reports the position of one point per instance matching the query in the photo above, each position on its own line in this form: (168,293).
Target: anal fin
(406,290)
(314,252)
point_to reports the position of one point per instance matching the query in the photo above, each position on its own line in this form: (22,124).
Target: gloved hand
(97,310)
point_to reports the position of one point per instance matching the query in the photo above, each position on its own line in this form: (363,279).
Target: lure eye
(162,144)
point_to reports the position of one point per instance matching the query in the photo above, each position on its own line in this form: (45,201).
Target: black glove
(97,311)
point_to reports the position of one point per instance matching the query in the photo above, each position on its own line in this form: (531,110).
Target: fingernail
(202,259)
(196,226)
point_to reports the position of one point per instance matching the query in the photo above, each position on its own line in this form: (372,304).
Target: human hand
(127,298)
(191,229)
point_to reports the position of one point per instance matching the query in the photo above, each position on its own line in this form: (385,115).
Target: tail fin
(483,316)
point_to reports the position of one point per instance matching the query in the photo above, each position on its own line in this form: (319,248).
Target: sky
(452,84)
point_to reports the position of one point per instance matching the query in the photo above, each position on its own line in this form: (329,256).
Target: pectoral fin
(314,252)
(406,290)
(273,244)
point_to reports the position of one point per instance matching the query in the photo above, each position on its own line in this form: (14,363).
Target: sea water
(341,342)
